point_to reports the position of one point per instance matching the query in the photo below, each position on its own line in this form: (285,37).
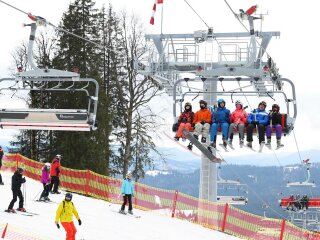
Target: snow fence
(221,217)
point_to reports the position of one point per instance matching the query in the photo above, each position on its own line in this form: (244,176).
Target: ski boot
(279,144)
(47,199)
(183,139)
(196,136)
(213,144)
(190,145)
(1,183)
(10,210)
(203,140)
(42,199)
(230,142)
(225,143)
(176,139)
(241,142)
(268,144)
(122,212)
(249,144)
(22,209)
(130,212)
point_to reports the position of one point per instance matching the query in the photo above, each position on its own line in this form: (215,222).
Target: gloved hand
(58,226)
(79,221)
(192,124)
(24,180)
(203,122)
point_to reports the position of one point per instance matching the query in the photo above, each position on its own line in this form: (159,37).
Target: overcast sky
(296,52)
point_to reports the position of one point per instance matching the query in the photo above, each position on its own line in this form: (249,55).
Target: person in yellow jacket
(65,213)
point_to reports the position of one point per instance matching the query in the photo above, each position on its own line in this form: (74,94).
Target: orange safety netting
(212,215)
(14,233)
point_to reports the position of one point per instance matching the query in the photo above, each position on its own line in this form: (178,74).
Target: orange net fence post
(4,231)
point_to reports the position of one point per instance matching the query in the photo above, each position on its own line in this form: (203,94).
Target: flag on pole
(154,8)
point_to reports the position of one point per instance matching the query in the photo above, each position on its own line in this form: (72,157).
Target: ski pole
(24,194)
(36,195)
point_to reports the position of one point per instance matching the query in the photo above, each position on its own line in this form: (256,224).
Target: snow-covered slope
(100,219)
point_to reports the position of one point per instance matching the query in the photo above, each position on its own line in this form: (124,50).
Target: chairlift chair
(50,80)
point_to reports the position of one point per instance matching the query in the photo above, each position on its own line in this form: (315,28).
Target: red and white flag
(154,10)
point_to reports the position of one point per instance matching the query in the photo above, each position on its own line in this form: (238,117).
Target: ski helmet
(238,102)
(263,103)
(68,197)
(187,104)
(19,170)
(221,101)
(276,107)
(58,156)
(48,165)
(129,174)
(203,102)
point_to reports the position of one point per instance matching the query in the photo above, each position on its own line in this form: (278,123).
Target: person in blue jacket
(220,118)
(258,118)
(127,190)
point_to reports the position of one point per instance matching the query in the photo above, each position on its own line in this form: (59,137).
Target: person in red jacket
(54,174)
(238,120)
(202,121)
(185,121)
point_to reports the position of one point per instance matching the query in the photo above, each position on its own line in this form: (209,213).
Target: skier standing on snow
(17,181)
(258,119)
(54,174)
(1,156)
(238,121)
(275,119)
(220,118)
(45,179)
(185,121)
(65,213)
(127,190)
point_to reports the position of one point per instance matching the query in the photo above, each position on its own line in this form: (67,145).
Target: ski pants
(0,171)
(261,130)
(70,230)
(54,183)
(181,127)
(233,127)
(16,194)
(278,129)
(46,189)
(127,197)
(202,129)
(215,126)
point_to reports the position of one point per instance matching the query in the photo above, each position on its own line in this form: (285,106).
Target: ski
(50,202)
(26,212)
(230,145)
(21,213)
(278,147)
(127,214)
(251,148)
(225,149)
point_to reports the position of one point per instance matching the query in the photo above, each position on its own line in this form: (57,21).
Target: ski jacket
(45,178)
(203,115)
(55,168)
(65,212)
(186,117)
(16,181)
(239,116)
(221,115)
(257,115)
(127,187)
(275,118)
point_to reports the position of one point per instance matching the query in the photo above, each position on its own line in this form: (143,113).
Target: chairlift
(231,185)
(307,182)
(50,80)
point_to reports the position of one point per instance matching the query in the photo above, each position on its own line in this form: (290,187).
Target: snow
(100,219)
(154,173)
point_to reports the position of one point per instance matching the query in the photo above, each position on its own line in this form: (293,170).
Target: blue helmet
(221,101)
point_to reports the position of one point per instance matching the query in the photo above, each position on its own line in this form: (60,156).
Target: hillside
(100,220)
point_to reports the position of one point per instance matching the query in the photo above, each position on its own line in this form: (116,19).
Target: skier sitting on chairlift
(185,121)
(258,118)
(304,202)
(238,121)
(291,203)
(274,122)
(298,202)
(202,120)
(220,118)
